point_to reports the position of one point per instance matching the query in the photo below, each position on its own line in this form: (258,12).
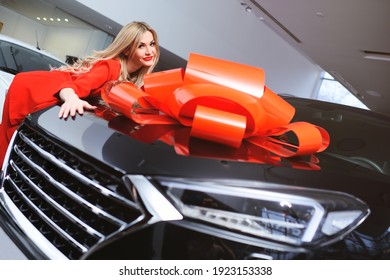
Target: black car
(101,186)
(86,189)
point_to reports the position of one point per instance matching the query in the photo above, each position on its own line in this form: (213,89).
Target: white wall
(201,26)
(75,42)
(21,27)
(58,41)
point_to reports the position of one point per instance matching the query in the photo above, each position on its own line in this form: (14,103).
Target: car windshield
(359,136)
(15,59)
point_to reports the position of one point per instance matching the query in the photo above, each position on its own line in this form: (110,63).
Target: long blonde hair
(124,45)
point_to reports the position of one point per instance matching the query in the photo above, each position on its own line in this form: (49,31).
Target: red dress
(32,91)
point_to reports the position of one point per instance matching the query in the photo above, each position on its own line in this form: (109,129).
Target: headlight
(283,214)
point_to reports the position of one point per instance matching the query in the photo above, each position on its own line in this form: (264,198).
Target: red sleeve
(31,91)
(100,73)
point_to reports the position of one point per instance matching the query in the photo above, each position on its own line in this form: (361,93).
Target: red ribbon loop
(221,101)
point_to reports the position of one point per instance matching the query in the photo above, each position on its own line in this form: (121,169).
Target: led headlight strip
(287,214)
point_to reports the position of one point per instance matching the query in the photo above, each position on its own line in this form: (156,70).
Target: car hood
(114,143)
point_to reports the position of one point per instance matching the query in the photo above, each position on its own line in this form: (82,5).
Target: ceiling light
(374,93)
(248,9)
(378,57)
(384,56)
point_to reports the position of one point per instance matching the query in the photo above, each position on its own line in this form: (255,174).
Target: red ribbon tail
(295,139)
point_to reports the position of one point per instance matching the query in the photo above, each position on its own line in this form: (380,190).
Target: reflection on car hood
(100,138)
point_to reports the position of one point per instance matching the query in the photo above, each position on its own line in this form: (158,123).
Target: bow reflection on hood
(219,101)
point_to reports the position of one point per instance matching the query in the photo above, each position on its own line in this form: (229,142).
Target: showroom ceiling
(350,39)
(75,16)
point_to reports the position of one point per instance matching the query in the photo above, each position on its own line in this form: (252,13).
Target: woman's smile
(148,58)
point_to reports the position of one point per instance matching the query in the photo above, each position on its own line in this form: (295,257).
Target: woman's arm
(72,104)
(84,84)
(91,81)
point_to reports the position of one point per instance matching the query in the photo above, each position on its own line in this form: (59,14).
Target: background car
(17,56)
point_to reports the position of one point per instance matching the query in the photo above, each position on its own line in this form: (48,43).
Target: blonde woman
(133,53)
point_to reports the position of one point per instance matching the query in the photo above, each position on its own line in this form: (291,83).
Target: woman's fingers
(74,107)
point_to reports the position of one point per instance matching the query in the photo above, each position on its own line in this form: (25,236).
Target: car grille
(75,204)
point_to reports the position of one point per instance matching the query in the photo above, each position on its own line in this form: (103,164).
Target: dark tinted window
(357,135)
(15,59)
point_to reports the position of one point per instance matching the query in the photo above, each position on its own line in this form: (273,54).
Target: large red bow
(223,102)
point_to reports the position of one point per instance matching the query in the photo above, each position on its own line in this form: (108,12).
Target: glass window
(332,91)
(15,59)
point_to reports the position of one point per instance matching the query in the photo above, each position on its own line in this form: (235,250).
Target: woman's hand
(72,104)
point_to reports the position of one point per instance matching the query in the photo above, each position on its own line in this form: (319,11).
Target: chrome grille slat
(49,221)
(79,176)
(78,199)
(76,202)
(47,198)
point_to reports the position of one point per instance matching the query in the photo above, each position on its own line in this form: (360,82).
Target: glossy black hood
(111,141)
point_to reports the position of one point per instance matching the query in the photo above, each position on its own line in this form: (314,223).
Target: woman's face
(145,53)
